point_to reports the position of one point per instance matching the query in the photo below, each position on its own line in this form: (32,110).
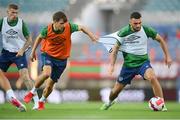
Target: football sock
(109,103)
(34,90)
(10,94)
(43,99)
(36,98)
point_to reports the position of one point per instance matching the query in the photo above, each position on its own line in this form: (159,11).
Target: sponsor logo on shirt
(12,34)
(132,39)
(58,40)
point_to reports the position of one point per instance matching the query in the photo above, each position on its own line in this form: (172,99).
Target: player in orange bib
(58,45)
(55,42)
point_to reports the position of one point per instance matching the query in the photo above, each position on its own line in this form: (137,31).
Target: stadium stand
(164,17)
(166,5)
(37,5)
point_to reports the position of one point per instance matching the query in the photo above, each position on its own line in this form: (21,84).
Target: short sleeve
(74,27)
(150,32)
(25,30)
(44,32)
(123,33)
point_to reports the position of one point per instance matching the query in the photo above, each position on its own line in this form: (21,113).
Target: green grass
(91,110)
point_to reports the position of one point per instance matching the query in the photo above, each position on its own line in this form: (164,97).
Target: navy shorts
(7,58)
(127,74)
(57,65)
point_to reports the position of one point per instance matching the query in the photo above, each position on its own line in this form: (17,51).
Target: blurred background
(86,77)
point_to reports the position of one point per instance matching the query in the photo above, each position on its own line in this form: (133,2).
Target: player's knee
(24,77)
(1,71)
(152,78)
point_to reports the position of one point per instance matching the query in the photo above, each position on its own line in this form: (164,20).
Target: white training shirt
(12,36)
(135,43)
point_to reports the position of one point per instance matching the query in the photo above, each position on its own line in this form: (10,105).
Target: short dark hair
(58,16)
(13,6)
(135,15)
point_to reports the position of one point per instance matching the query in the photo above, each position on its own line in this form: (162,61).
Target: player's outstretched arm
(36,43)
(93,37)
(163,44)
(113,57)
(26,45)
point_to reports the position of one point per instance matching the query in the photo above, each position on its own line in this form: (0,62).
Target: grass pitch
(90,110)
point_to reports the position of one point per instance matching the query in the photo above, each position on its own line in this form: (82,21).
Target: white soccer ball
(156,103)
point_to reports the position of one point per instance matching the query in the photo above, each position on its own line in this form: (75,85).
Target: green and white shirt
(134,45)
(13,34)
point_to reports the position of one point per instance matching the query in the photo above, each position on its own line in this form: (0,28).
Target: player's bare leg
(150,75)
(157,89)
(43,76)
(46,92)
(49,87)
(24,75)
(19,83)
(115,91)
(38,82)
(118,87)
(5,84)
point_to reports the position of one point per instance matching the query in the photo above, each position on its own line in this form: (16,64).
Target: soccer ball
(156,103)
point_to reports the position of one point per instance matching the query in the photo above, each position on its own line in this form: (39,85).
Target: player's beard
(137,29)
(11,18)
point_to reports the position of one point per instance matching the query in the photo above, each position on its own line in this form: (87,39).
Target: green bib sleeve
(44,32)
(150,32)
(124,32)
(25,30)
(74,27)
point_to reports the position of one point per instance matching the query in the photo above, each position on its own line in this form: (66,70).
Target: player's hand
(20,53)
(95,38)
(168,61)
(111,70)
(32,57)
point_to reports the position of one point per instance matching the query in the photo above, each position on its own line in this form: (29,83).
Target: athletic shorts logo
(48,61)
(120,78)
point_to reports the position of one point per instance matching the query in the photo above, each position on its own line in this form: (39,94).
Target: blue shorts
(127,74)
(57,65)
(7,58)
